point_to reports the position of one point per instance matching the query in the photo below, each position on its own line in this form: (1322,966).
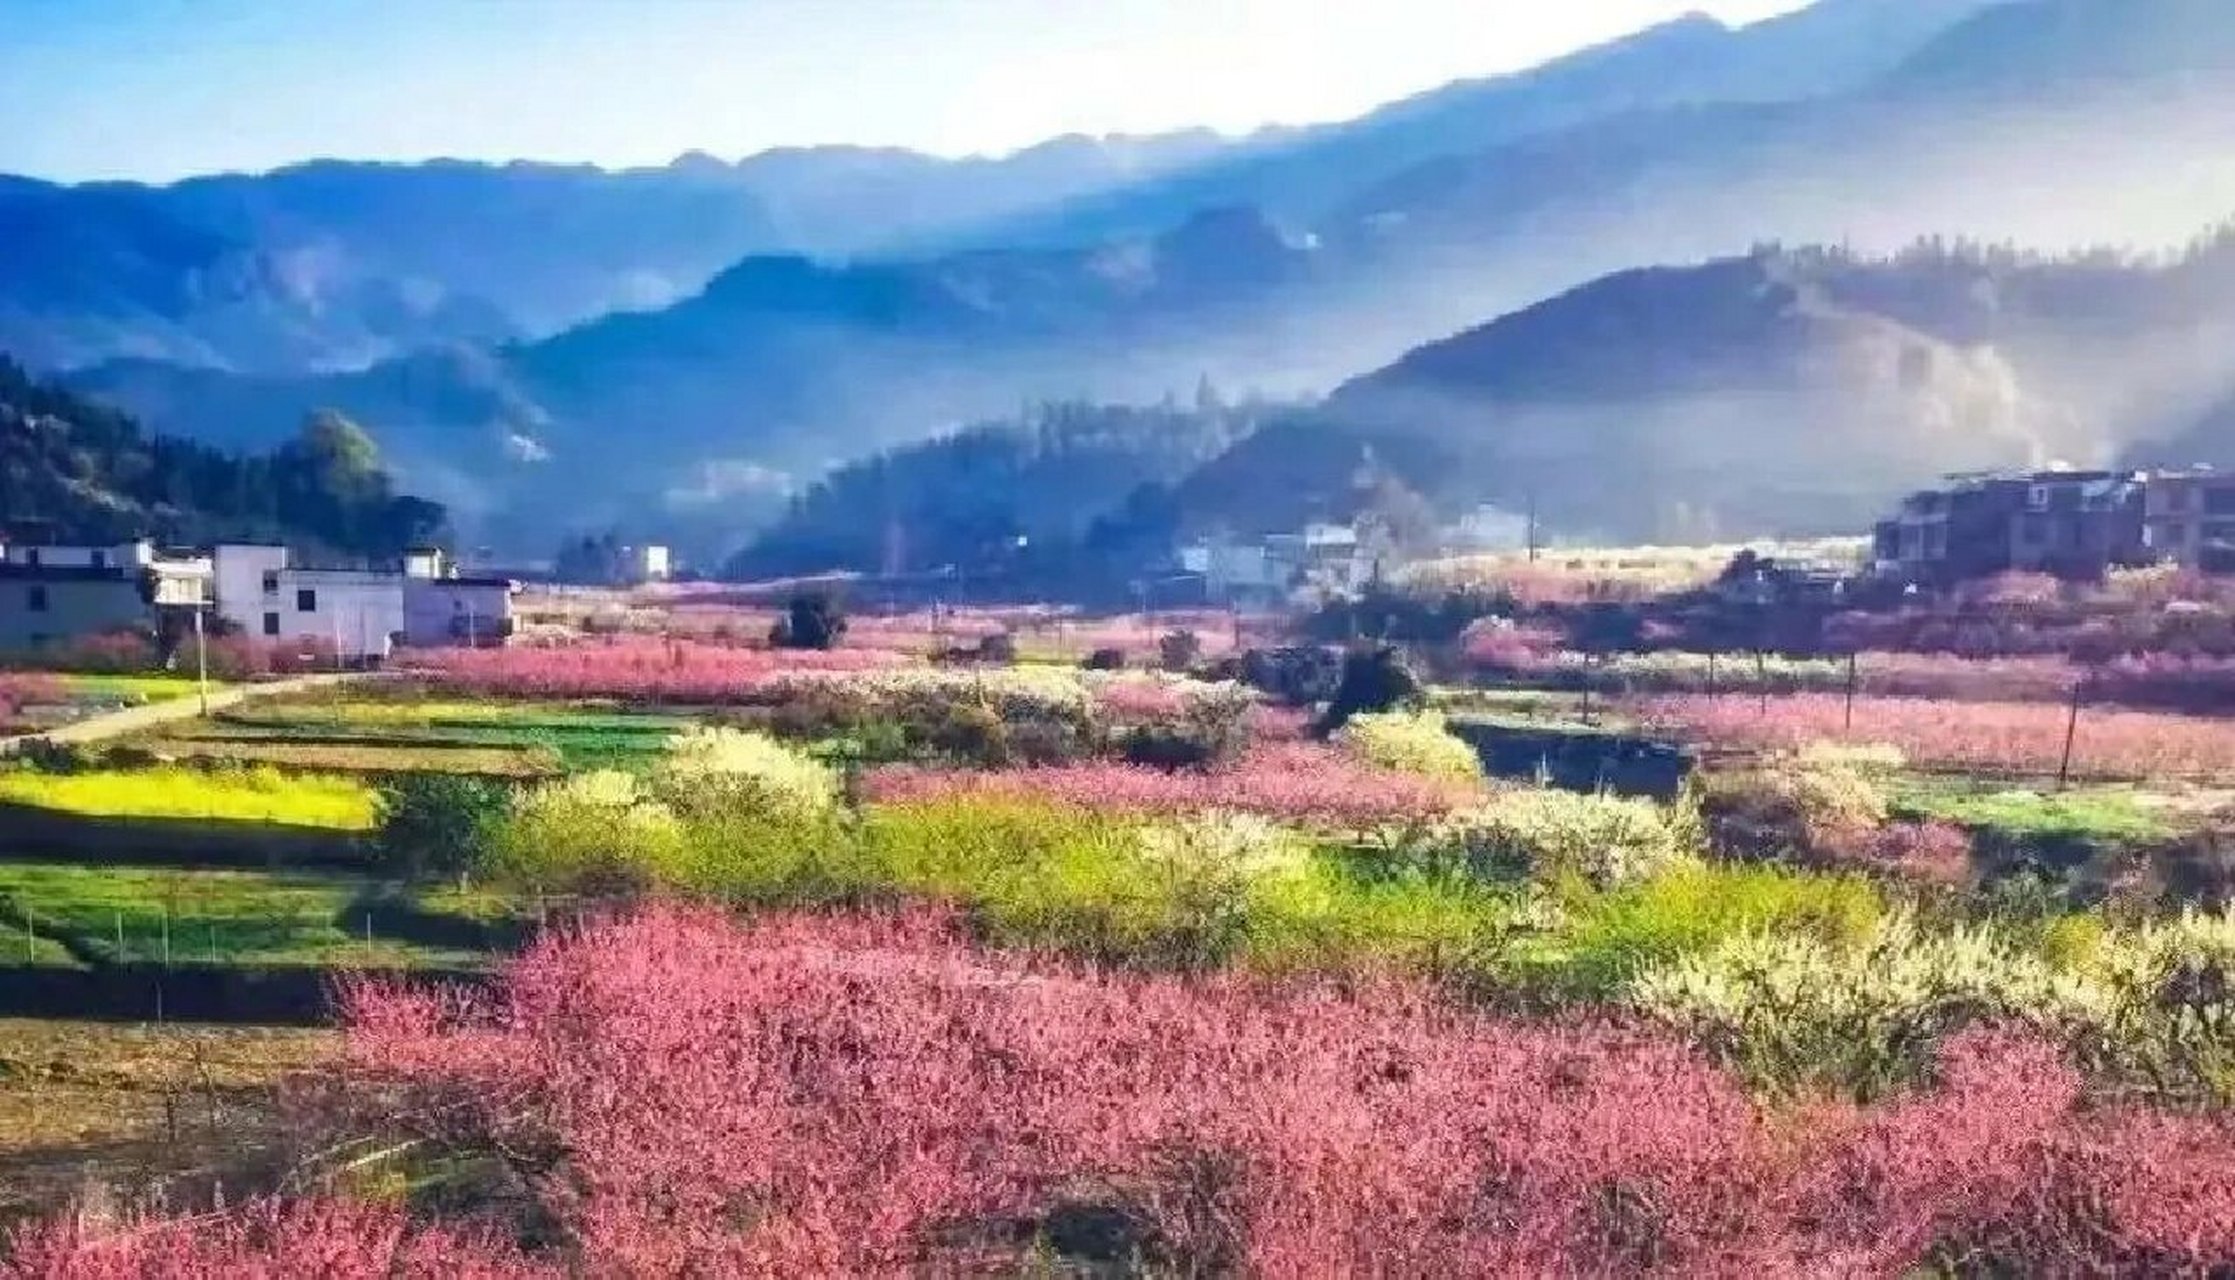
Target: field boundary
(117,724)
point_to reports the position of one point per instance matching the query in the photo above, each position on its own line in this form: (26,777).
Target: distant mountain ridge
(333,265)
(337,264)
(783,366)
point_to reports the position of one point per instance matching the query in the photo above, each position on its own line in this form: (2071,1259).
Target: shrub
(710,769)
(1608,937)
(1550,834)
(1411,742)
(870,1096)
(1179,650)
(1000,647)
(1209,726)
(1792,1011)
(1817,810)
(594,833)
(1296,676)
(1307,784)
(809,622)
(436,824)
(1105,660)
(1373,680)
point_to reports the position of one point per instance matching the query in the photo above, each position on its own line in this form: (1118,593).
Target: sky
(159,89)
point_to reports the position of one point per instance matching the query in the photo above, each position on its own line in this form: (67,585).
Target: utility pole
(2071,730)
(1532,526)
(201,662)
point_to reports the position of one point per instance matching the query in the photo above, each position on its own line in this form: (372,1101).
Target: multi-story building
(53,593)
(2189,518)
(2074,524)
(362,614)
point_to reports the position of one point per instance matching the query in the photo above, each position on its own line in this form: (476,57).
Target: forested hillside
(78,471)
(996,490)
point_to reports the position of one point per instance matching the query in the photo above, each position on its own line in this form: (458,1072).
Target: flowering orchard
(1993,737)
(632,670)
(1293,781)
(677,1094)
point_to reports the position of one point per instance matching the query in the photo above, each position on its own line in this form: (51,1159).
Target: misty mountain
(108,272)
(334,265)
(965,498)
(1303,175)
(1797,390)
(846,201)
(780,367)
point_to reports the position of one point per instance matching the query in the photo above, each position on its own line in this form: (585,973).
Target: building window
(2219,502)
(36,600)
(271,624)
(271,582)
(31,556)
(2172,534)
(306,600)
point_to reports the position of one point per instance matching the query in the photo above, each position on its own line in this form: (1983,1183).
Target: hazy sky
(161,88)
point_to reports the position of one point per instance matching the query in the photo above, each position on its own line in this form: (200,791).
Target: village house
(2075,524)
(51,593)
(2189,518)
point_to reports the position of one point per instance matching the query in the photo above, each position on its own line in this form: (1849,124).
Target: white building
(360,613)
(647,563)
(121,555)
(1489,528)
(441,608)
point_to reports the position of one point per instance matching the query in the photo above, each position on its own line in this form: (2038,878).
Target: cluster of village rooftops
(52,594)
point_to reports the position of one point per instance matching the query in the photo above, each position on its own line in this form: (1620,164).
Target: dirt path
(116,724)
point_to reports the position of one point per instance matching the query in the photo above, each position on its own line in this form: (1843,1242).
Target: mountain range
(546,347)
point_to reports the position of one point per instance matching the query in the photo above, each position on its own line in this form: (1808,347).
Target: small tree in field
(809,622)
(1179,650)
(1374,680)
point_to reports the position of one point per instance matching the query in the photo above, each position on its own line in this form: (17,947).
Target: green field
(390,736)
(2121,815)
(123,915)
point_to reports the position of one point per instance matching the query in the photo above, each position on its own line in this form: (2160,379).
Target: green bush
(809,622)
(1814,810)
(1411,742)
(1802,1011)
(1373,680)
(1607,938)
(716,769)
(436,824)
(1555,835)
(2151,1008)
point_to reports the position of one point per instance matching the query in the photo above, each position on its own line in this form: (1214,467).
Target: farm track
(117,724)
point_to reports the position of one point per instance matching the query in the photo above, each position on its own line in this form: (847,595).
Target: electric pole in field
(201,662)
(1532,534)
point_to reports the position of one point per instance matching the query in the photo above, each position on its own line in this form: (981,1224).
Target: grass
(2098,814)
(134,689)
(96,1104)
(236,795)
(153,914)
(354,757)
(581,736)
